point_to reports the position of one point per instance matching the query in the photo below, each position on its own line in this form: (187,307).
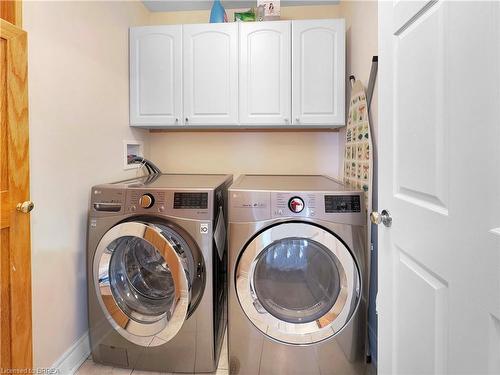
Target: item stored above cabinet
(279,74)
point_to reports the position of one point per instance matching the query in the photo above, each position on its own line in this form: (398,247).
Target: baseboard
(73,358)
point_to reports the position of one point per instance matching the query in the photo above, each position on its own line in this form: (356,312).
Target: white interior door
(318,72)
(439,284)
(211,74)
(156,75)
(265,73)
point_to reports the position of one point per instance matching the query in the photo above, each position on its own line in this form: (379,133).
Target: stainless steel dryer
(297,276)
(157,272)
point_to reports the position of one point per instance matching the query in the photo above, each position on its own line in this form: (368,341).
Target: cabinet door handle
(286,120)
(176,120)
(187,119)
(297,120)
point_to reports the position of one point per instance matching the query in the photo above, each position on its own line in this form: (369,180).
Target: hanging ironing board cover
(358,162)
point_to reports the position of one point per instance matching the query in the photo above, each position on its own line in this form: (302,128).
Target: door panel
(439,285)
(156,75)
(318,71)
(211,74)
(15,249)
(265,65)
(429,324)
(422,180)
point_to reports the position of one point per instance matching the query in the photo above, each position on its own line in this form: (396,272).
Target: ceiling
(183,5)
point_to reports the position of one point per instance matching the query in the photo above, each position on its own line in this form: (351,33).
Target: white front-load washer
(297,276)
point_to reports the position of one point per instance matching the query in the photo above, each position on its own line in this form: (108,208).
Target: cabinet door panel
(318,79)
(156,75)
(265,66)
(211,74)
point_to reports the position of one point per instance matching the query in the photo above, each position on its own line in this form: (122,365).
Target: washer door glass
(142,282)
(296,280)
(298,283)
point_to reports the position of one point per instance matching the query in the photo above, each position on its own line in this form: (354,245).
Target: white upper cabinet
(156,76)
(318,72)
(251,74)
(210,68)
(265,73)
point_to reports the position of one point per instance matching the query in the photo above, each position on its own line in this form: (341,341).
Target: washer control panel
(146,200)
(193,201)
(186,204)
(106,201)
(194,204)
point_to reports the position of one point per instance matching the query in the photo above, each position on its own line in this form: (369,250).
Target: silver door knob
(384,217)
(25,207)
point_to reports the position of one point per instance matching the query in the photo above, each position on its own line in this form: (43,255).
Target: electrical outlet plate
(135,148)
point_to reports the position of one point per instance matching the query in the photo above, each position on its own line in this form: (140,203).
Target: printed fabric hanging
(358,161)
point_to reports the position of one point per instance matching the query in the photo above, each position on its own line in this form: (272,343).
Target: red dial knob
(296,204)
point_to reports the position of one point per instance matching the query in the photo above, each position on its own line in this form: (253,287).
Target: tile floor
(90,368)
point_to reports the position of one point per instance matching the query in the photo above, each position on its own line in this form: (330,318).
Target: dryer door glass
(297,280)
(143,282)
(298,283)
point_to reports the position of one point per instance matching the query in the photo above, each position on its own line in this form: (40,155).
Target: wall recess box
(131,149)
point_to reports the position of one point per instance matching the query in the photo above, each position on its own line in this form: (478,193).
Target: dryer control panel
(293,204)
(340,207)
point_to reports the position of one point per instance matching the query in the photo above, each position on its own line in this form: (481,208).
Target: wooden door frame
(16,350)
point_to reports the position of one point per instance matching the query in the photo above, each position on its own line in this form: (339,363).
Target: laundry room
(199,187)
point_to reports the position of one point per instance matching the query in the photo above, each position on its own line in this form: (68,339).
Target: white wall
(246,152)
(78,99)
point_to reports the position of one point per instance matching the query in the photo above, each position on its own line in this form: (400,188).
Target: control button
(146,201)
(312,213)
(280,212)
(161,208)
(133,208)
(296,204)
